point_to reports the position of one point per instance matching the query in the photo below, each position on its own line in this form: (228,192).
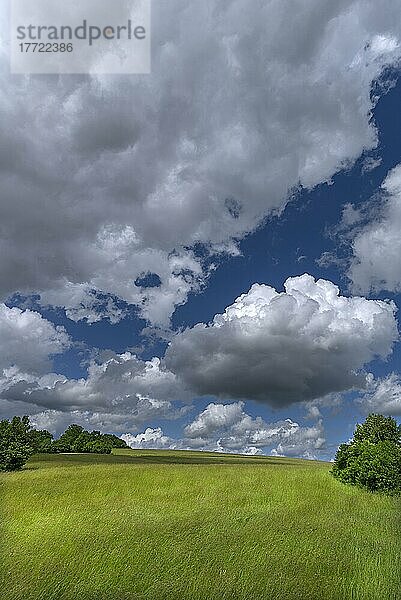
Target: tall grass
(186,525)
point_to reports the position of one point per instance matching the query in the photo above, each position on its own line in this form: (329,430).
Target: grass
(188,525)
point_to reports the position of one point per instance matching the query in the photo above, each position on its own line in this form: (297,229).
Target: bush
(15,447)
(373,458)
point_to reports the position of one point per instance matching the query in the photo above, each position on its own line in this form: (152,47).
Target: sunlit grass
(188,525)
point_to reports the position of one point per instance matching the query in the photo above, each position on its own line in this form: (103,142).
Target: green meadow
(177,525)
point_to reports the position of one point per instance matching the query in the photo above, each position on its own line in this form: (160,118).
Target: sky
(207,257)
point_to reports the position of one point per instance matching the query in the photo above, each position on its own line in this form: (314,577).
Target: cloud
(370,163)
(104,179)
(150,438)
(57,421)
(299,345)
(383,395)
(376,247)
(279,348)
(227,428)
(331,402)
(28,340)
(119,393)
(214,418)
(306,442)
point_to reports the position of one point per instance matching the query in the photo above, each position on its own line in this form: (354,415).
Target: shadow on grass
(40,461)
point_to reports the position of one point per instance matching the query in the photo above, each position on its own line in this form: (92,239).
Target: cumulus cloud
(105,179)
(215,417)
(383,395)
(376,247)
(118,393)
(279,348)
(306,442)
(150,438)
(228,428)
(299,345)
(331,402)
(57,421)
(27,340)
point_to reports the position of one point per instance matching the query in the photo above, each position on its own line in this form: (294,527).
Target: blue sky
(115,246)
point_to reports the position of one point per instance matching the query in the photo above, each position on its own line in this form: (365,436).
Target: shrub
(373,458)
(15,447)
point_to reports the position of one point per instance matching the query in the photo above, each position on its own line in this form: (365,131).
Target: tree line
(19,440)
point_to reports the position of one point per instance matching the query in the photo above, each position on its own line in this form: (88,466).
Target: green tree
(15,447)
(98,446)
(80,444)
(372,459)
(115,441)
(40,441)
(77,439)
(378,428)
(93,442)
(66,442)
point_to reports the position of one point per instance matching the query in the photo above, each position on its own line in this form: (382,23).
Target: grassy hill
(189,525)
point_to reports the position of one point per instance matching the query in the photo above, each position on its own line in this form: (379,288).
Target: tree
(98,446)
(115,441)
(372,459)
(66,442)
(81,442)
(15,447)
(77,439)
(40,441)
(93,442)
(378,428)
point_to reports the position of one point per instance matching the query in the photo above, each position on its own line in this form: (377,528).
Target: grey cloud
(279,348)
(104,178)
(123,382)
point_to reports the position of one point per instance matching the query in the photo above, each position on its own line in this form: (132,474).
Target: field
(188,525)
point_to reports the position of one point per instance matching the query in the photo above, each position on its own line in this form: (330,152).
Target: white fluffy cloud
(227,428)
(150,438)
(305,442)
(104,179)
(301,344)
(376,247)
(383,395)
(294,346)
(119,393)
(214,418)
(27,340)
